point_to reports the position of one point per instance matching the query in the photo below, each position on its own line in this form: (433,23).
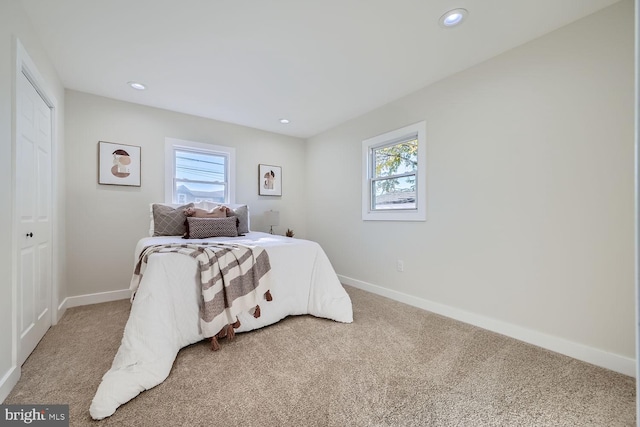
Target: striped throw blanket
(234,278)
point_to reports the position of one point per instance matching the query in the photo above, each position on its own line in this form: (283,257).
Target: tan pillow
(217,212)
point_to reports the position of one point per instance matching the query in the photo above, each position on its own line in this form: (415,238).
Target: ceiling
(252,62)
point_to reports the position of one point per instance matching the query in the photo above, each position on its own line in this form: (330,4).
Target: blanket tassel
(229,330)
(215,346)
(231,334)
(226,332)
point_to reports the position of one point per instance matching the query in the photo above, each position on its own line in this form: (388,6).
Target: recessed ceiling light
(284,121)
(453,18)
(137,86)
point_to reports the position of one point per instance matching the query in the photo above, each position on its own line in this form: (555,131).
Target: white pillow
(200,205)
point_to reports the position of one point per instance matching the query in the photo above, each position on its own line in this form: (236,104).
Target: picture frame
(269,180)
(118,164)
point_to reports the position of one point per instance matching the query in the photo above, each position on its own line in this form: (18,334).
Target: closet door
(33,215)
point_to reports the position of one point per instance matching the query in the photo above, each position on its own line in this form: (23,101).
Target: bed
(164,314)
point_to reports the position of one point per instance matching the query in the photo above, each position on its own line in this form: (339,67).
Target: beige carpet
(394,366)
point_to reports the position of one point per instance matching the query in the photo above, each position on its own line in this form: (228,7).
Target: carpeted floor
(396,365)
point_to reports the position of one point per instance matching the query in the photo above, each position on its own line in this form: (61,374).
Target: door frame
(25,65)
(637,199)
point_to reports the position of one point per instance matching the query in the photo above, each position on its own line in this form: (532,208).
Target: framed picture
(269,180)
(118,164)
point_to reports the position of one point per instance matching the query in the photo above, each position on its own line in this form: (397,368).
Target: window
(394,175)
(197,172)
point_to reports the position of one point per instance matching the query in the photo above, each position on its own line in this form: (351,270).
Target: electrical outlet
(400,265)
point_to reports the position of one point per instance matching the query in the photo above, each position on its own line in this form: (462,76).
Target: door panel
(44,185)
(43,294)
(27,291)
(25,181)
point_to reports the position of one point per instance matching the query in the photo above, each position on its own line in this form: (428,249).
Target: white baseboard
(8,382)
(614,362)
(97,298)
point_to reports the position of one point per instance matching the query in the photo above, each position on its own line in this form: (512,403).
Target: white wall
(530,189)
(104,222)
(14,24)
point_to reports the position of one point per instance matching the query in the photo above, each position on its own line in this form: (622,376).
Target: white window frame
(172,144)
(418,131)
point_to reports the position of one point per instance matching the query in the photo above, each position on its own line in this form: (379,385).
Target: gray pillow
(168,221)
(201,228)
(242,212)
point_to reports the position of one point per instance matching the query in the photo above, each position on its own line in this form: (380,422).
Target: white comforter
(164,314)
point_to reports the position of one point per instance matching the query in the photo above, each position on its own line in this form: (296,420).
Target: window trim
(418,131)
(171,144)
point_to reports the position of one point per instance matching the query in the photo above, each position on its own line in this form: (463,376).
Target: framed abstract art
(269,180)
(118,164)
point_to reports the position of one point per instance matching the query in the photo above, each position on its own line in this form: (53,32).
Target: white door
(33,214)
